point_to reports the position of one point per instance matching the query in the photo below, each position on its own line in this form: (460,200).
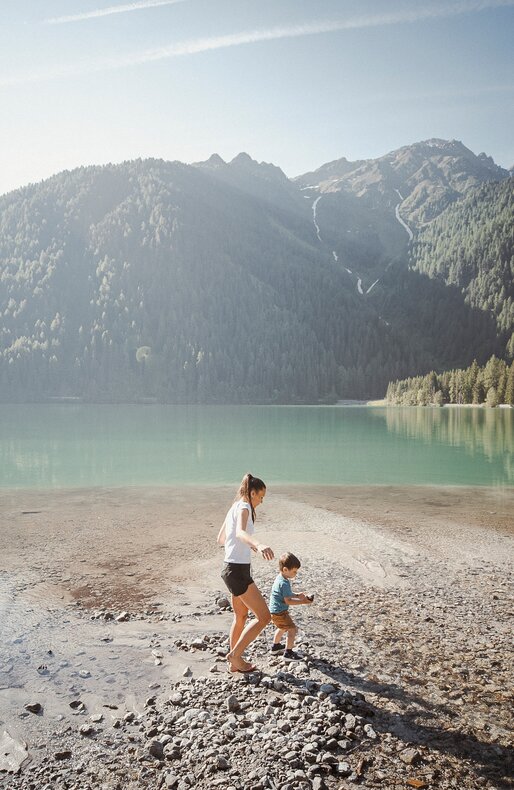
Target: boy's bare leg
(278,636)
(291,636)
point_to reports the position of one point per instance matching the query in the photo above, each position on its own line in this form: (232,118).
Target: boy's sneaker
(277,648)
(290,655)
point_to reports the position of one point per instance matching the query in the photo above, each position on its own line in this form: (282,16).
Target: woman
(236,535)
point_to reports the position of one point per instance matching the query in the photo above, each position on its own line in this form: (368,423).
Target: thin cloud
(113,9)
(196,46)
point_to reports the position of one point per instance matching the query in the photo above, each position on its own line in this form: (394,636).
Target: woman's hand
(266,552)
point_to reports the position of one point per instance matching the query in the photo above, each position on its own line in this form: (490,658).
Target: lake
(70,445)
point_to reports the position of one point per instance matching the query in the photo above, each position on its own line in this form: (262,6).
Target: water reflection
(487,432)
(86,445)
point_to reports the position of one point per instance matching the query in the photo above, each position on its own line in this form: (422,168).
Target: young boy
(281,599)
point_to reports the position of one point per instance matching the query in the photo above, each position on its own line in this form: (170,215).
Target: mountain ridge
(218,282)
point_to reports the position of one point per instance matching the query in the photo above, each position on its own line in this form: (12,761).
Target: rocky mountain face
(362,204)
(229,282)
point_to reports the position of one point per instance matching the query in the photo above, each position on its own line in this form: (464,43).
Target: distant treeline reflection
(477,430)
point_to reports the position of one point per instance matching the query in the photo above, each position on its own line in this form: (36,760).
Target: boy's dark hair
(289,561)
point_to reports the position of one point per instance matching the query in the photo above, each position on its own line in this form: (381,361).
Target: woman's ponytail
(248,484)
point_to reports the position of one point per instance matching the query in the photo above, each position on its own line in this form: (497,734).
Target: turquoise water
(65,445)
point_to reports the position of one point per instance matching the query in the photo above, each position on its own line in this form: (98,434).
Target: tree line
(491,384)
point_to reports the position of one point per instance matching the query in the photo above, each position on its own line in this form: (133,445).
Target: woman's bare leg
(239,621)
(252,600)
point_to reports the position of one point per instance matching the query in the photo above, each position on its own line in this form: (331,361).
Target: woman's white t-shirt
(236,550)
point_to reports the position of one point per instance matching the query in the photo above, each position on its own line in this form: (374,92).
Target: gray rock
(222,763)
(13,753)
(410,756)
(233,704)
(34,707)
(156,749)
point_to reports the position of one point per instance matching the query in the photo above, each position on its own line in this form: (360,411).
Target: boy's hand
(306,598)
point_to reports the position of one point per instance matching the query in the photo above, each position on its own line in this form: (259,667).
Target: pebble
(410,756)
(34,707)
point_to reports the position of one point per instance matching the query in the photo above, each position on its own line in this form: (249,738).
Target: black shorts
(237,577)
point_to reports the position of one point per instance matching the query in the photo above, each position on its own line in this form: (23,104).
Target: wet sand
(413,590)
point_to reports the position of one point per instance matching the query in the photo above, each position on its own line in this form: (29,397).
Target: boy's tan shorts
(283,620)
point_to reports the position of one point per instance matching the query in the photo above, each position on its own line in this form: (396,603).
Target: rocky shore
(404,677)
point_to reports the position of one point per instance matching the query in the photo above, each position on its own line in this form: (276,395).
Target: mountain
(367,210)
(471,245)
(262,180)
(224,282)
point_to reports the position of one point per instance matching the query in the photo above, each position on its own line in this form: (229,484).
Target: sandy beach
(104,591)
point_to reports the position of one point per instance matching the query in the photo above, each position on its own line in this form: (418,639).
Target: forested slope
(151,279)
(471,246)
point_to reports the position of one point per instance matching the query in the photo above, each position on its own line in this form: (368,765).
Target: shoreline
(413,590)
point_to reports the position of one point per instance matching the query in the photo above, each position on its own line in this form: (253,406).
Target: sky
(294,82)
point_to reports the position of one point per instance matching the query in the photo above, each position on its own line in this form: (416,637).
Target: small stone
(34,707)
(86,730)
(97,717)
(156,750)
(370,732)
(222,763)
(64,755)
(123,617)
(343,769)
(410,756)
(233,704)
